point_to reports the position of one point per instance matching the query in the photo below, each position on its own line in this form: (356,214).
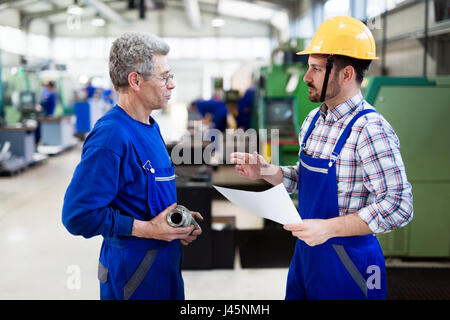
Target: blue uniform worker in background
(124,186)
(47,106)
(48,99)
(218,110)
(245,109)
(90,90)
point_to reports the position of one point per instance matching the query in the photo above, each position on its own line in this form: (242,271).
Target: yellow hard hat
(345,36)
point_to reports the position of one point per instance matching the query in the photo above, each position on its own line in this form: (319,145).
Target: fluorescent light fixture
(83,79)
(75,10)
(98,22)
(217,22)
(245,10)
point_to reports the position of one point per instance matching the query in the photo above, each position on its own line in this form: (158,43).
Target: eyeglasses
(164,78)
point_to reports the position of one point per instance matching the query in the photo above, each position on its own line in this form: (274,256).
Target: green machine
(22,89)
(2,102)
(283,99)
(64,89)
(418,109)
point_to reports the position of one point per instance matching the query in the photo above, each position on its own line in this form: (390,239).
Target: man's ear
(348,74)
(134,81)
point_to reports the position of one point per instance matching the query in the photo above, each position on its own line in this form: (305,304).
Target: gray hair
(133,51)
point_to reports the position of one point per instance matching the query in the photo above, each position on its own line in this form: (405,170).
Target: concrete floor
(41,260)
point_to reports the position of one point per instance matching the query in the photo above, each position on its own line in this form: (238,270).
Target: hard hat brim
(334,53)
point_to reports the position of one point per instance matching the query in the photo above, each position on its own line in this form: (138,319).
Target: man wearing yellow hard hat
(350,176)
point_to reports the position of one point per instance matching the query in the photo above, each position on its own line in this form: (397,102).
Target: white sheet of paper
(274,203)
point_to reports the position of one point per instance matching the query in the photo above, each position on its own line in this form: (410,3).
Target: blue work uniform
(245,108)
(90,91)
(125,173)
(217,109)
(342,267)
(48,102)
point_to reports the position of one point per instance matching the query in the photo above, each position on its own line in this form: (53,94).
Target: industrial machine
(19,124)
(21,117)
(21,92)
(57,130)
(282,99)
(194,192)
(418,109)
(10,163)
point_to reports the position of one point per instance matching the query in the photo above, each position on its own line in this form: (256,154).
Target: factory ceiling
(55,12)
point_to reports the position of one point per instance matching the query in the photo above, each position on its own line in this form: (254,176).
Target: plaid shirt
(371,177)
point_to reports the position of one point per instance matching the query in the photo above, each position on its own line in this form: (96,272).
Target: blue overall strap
(168,153)
(345,134)
(135,142)
(310,129)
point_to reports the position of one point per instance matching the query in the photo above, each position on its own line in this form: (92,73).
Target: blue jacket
(108,189)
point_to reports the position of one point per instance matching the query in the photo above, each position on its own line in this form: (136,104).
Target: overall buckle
(333,159)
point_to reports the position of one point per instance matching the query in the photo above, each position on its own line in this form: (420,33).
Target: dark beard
(333,90)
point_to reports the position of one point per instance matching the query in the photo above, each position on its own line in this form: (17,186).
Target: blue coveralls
(342,267)
(129,267)
(218,110)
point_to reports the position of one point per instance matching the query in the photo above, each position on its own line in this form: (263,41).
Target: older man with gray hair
(124,186)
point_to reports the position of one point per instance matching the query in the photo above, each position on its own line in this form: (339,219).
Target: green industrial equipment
(20,81)
(2,102)
(21,87)
(418,109)
(282,99)
(370,86)
(64,90)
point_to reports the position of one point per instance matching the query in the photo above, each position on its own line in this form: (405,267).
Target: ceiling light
(83,79)
(245,10)
(217,22)
(75,10)
(98,22)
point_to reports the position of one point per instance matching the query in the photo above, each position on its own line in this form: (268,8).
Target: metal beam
(26,18)
(16,4)
(106,11)
(208,8)
(142,9)
(1,87)
(43,14)
(7,1)
(425,39)
(193,13)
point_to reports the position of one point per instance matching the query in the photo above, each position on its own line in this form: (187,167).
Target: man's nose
(170,84)
(307,77)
